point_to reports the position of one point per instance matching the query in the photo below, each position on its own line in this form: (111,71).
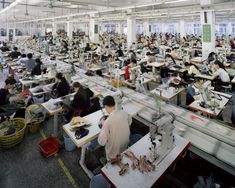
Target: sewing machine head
(164,122)
(134,72)
(161,136)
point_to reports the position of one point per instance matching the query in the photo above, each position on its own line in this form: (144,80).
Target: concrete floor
(24,166)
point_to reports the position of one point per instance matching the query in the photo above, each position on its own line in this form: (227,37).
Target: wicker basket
(15,138)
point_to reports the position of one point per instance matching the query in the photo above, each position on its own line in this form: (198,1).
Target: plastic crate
(49,146)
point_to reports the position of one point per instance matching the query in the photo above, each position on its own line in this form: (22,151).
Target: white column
(177,27)
(94,30)
(163,27)
(54,28)
(182,28)
(131,30)
(208,32)
(70,30)
(147,28)
(14,34)
(230,30)
(43,29)
(119,28)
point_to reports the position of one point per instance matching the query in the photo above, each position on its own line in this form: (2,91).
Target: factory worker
(193,92)
(115,131)
(61,87)
(222,74)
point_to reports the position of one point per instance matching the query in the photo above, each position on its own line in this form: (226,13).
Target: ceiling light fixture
(176,1)
(10,6)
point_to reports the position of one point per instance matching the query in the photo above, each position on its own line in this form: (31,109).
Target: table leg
(82,162)
(55,131)
(179,99)
(153,69)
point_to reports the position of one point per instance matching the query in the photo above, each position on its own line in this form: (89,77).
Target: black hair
(148,53)
(15,48)
(221,65)
(10,81)
(109,101)
(38,61)
(197,79)
(76,84)
(170,56)
(59,75)
(23,55)
(29,55)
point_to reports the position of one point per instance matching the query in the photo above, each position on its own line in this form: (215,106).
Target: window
(155,28)
(171,28)
(233,28)
(197,29)
(3,32)
(139,28)
(188,28)
(222,29)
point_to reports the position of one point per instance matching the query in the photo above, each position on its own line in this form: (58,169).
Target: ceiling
(109,10)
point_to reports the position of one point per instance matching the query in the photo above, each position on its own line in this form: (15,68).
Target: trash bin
(69,145)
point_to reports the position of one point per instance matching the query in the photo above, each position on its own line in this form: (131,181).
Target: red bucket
(49,146)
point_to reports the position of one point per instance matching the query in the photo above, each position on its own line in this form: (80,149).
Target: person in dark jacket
(4,92)
(81,104)
(61,87)
(4,48)
(37,69)
(193,92)
(14,54)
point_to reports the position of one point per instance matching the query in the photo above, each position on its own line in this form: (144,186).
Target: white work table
(205,76)
(155,65)
(94,130)
(233,81)
(168,93)
(53,110)
(46,89)
(208,111)
(134,178)
(36,79)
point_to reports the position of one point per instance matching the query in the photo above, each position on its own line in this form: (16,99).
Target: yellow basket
(116,83)
(34,127)
(15,138)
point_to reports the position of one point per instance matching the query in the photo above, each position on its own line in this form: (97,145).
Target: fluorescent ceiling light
(10,6)
(176,1)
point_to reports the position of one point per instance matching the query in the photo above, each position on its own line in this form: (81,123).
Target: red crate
(49,146)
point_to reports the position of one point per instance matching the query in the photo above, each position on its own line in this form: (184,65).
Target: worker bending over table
(193,92)
(114,135)
(61,87)
(81,103)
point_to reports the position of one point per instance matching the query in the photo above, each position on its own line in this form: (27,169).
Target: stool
(226,88)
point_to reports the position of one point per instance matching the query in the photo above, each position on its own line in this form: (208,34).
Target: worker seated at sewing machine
(61,87)
(132,64)
(193,91)
(11,101)
(115,130)
(81,103)
(222,74)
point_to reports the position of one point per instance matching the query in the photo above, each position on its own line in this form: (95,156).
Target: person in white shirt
(98,49)
(115,131)
(223,75)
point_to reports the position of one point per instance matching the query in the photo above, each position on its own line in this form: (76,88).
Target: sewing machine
(51,68)
(161,136)
(209,99)
(134,73)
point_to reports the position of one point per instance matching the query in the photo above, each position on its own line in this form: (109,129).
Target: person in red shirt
(130,65)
